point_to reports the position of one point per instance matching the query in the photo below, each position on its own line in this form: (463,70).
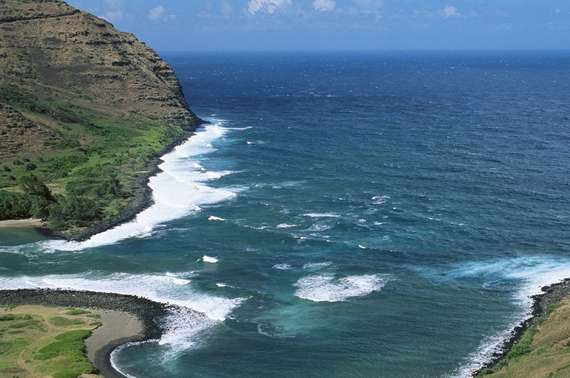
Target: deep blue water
(371,215)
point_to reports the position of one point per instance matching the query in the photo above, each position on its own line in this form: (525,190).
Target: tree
(32,186)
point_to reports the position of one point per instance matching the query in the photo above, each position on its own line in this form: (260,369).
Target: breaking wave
(531,273)
(195,311)
(328,288)
(176,191)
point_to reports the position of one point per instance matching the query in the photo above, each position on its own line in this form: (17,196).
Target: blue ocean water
(343,215)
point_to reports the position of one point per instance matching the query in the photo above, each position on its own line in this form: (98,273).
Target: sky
(313,25)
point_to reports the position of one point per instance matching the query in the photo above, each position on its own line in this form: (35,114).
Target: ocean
(342,215)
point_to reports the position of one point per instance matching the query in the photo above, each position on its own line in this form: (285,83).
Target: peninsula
(85,111)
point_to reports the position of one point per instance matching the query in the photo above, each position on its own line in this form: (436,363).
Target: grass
(78,311)
(542,351)
(96,156)
(40,341)
(61,321)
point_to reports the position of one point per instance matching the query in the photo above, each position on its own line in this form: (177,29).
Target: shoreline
(118,328)
(22,223)
(550,295)
(143,194)
(147,312)
(141,201)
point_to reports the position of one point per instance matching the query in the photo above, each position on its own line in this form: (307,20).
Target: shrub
(14,205)
(73,211)
(33,186)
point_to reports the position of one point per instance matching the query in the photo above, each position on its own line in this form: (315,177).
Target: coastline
(143,195)
(118,328)
(140,201)
(146,312)
(550,295)
(21,223)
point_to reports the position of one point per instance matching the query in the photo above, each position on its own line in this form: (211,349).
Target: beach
(120,318)
(21,223)
(118,327)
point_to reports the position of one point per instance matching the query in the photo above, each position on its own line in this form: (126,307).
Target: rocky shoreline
(551,295)
(148,312)
(142,198)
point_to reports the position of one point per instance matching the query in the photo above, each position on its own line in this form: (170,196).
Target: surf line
(177,190)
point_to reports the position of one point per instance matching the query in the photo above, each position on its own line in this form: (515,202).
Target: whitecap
(319,227)
(321,215)
(380,200)
(328,288)
(286,225)
(215,218)
(317,266)
(281,266)
(209,259)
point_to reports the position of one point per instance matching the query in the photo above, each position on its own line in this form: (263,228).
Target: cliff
(84,108)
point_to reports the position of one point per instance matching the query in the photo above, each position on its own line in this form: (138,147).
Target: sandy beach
(118,327)
(21,223)
(123,318)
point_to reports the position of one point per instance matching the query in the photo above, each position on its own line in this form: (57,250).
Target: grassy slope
(44,341)
(542,351)
(96,156)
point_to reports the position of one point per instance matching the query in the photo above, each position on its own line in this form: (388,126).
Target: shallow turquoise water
(364,215)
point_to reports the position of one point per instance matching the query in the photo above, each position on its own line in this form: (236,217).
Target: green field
(40,341)
(542,351)
(89,172)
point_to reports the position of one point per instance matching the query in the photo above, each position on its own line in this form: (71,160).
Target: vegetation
(43,341)
(89,173)
(542,351)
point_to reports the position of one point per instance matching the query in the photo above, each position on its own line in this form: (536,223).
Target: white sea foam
(178,190)
(215,218)
(209,259)
(380,200)
(533,273)
(286,225)
(317,266)
(321,215)
(195,311)
(328,288)
(282,266)
(318,227)
(362,246)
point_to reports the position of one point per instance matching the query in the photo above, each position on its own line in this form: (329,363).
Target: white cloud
(159,14)
(156,13)
(324,5)
(450,11)
(269,6)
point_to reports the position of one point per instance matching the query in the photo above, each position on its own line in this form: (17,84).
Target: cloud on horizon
(268,6)
(159,14)
(450,11)
(324,5)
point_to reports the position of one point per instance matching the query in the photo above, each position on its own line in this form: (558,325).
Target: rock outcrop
(86,109)
(55,51)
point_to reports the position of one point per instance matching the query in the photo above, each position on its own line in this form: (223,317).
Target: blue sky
(222,25)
